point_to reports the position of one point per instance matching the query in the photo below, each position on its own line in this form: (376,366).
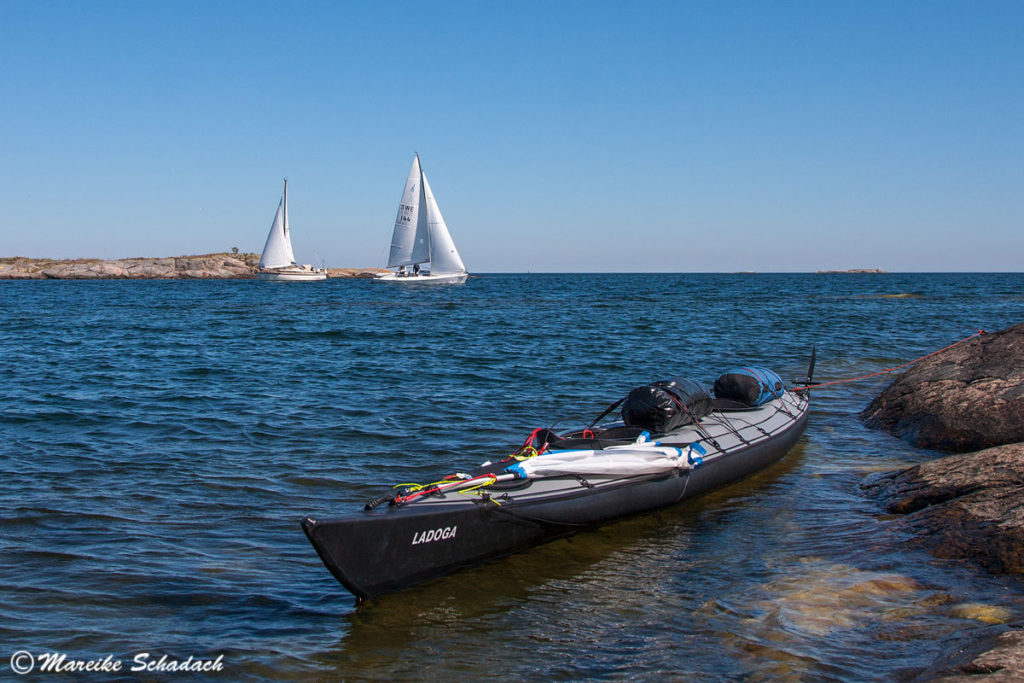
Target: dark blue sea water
(159,442)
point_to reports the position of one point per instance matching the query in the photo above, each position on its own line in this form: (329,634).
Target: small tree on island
(234,250)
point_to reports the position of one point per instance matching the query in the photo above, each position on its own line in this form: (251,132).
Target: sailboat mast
(423,207)
(284,218)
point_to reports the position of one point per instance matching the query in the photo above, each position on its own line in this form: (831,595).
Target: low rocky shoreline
(220,266)
(969,505)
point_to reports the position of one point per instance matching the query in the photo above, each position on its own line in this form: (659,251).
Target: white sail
(277,252)
(444,257)
(410,241)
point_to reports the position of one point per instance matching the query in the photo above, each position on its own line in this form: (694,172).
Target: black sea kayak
(672,444)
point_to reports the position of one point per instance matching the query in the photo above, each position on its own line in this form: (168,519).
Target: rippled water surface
(159,442)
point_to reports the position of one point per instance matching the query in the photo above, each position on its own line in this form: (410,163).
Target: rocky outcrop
(966,506)
(969,505)
(968,397)
(993,654)
(207,266)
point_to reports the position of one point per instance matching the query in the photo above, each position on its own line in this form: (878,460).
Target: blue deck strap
(696,460)
(517,470)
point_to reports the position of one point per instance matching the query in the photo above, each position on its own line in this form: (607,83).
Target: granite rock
(965,398)
(965,506)
(993,654)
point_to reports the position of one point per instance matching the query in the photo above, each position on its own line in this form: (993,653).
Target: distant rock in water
(367,273)
(966,398)
(966,506)
(203,267)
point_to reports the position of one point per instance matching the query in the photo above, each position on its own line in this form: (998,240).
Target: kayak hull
(394,547)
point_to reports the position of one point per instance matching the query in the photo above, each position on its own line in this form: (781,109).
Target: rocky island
(201,267)
(967,400)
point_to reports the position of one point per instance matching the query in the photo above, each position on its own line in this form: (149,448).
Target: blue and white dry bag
(752,386)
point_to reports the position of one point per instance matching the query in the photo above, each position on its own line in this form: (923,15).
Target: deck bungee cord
(588,442)
(455,482)
(696,423)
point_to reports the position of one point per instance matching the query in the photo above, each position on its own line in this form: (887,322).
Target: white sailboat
(421,238)
(278,261)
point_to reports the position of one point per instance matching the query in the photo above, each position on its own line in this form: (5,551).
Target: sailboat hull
(299,274)
(421,237)
(429,279)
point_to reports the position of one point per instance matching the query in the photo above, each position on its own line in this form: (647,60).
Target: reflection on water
(163,440)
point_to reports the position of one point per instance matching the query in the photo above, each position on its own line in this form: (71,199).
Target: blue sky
(557,136)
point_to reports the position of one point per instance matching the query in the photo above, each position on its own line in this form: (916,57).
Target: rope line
(890,370)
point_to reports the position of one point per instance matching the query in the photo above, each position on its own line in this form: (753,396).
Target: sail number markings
(442,534)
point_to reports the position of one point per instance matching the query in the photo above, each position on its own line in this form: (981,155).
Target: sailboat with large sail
(278,260)
(421,240)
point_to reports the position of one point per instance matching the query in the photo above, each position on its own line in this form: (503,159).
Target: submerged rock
(967,506)
(987,614)
(966,398)
(830,598)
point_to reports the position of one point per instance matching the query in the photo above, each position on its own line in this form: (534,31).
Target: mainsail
(277,252)
(410,242)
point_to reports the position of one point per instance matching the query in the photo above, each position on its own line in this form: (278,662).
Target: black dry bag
(663,406)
